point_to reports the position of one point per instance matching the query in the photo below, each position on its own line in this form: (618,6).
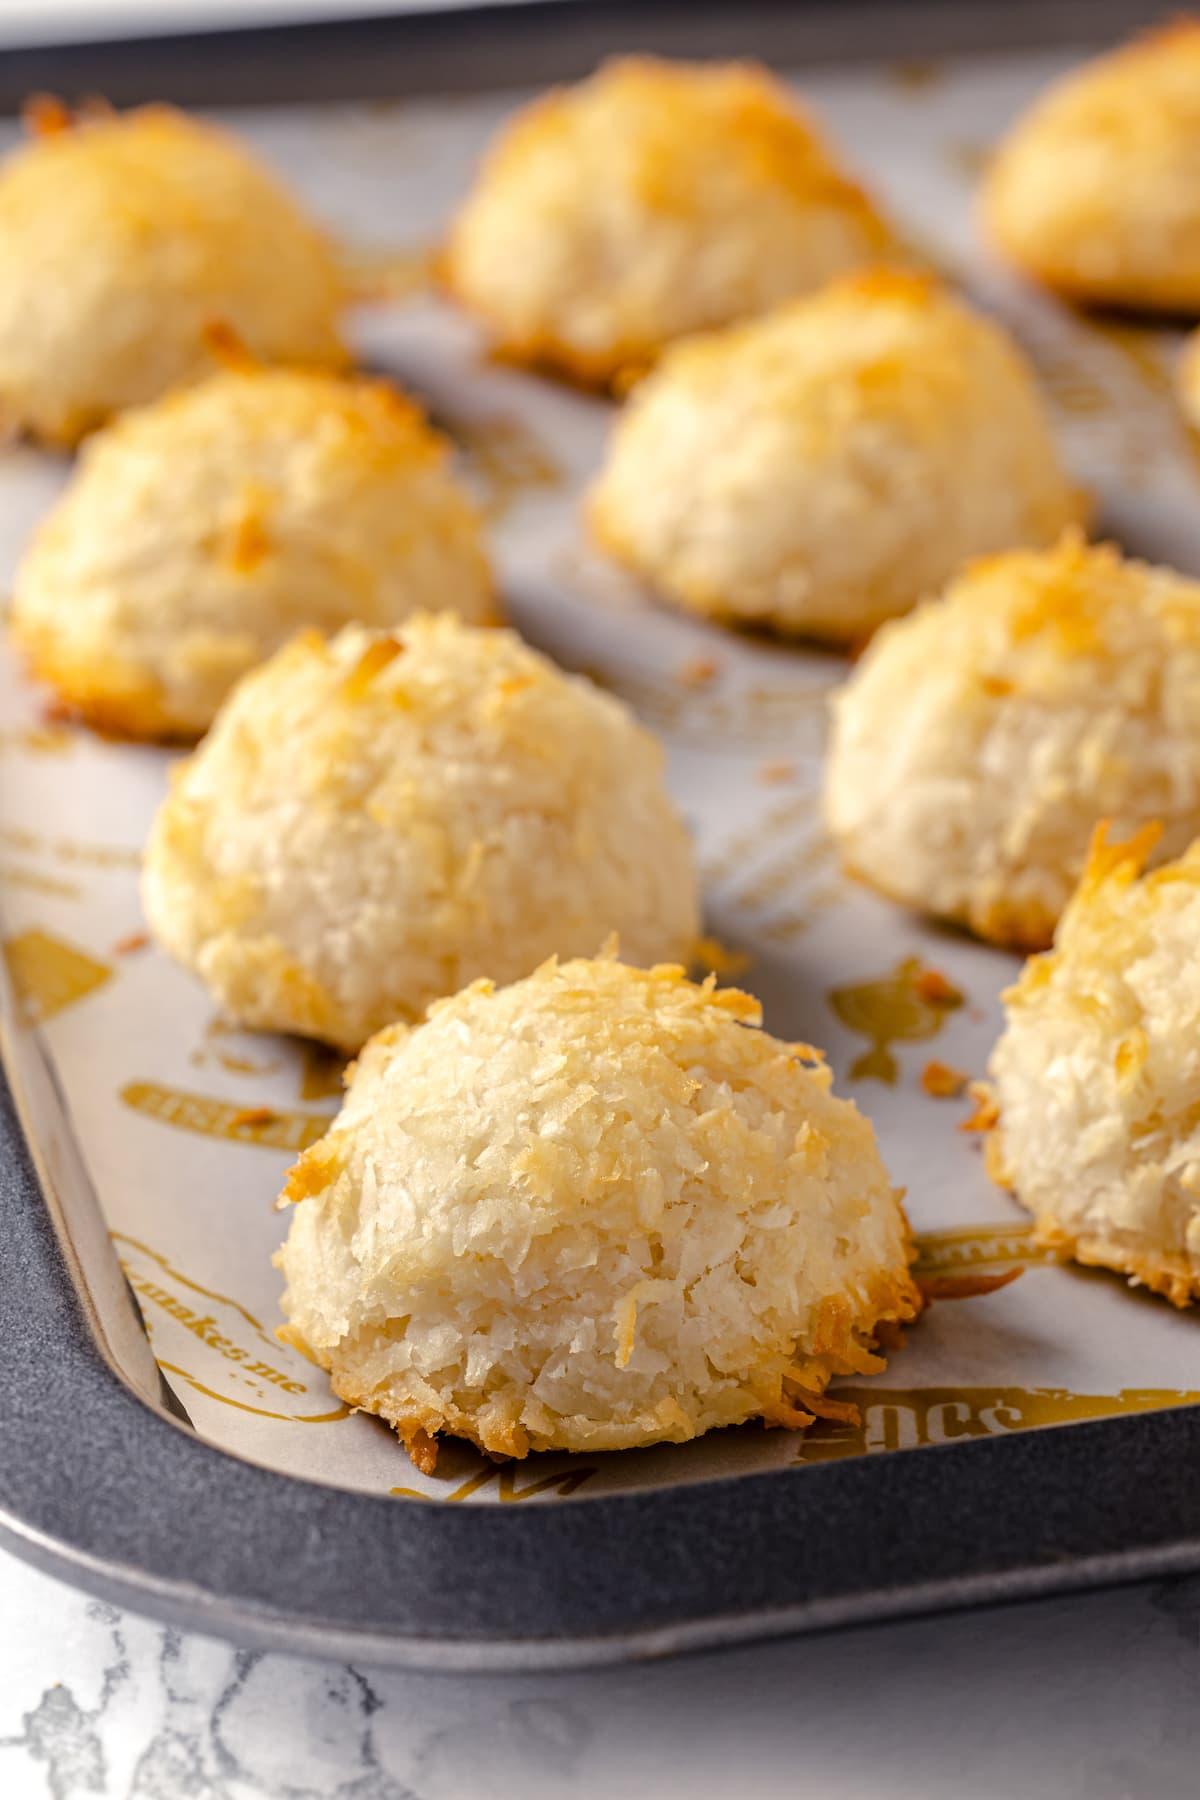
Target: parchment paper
(163,1095)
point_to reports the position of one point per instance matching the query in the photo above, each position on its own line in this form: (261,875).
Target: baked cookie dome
(824,467)
(591,1211)
(1094,1081)
(122,240)
(652,200)
(376,819)
(978,742)
(201,532)
(1096,191)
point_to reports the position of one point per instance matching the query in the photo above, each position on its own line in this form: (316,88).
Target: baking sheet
(163,1095)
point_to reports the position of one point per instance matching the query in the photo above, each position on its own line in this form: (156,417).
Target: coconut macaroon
(1095,1126)
(122,238)
(377,819)
(652,200)
(201,532)
(1096,192)
(978,742)
(588,1212)
(824,467)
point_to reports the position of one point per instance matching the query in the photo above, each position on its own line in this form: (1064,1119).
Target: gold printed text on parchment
(562,1485)
(907,1418)
(69,850)
(891,1010)
(272,1128)
(377,274)
(216,1345)
(49,974)
(979,1249)
(14,875)
(511,461)
(39,740)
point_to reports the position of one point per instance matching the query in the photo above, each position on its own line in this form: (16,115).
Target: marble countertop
(1094,1696)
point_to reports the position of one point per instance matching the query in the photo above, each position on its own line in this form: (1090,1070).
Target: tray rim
(135,1507)
(524,42)
(530,1587)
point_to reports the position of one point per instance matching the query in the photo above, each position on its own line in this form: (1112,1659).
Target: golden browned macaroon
(1094,1082)
(122,240)
(652,200)
(822,468)
(378,818)
(978,741)
(1096,190)
(592,1211)
(201,532)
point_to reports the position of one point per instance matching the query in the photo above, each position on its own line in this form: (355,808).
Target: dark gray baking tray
(523,42)
(102,1480)
(105,1485)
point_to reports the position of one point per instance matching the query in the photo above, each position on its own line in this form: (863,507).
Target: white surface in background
(37,22)
(1092,1698)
